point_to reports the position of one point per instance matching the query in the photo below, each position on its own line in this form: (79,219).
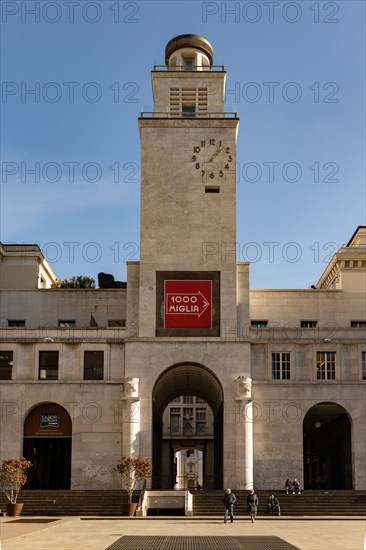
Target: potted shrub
(132,470)
(12,478)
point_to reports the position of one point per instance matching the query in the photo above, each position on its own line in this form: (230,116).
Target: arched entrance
(327,447)
(47,444)
(187,380)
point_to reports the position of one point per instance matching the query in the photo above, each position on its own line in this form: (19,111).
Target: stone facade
(275,354)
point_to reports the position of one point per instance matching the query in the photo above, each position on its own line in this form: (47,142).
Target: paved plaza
(98,533)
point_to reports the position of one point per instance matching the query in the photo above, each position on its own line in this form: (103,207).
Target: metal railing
(195,68)
(180,114)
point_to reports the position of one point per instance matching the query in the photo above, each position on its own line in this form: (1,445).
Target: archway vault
(188,379)
(47,444)
(327,447)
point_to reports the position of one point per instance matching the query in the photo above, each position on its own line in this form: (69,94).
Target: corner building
(283,372)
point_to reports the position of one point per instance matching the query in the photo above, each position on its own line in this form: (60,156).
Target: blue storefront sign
(50,420)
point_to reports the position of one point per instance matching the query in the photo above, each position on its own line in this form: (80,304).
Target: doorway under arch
(187,379)
(327,447)
(47,444)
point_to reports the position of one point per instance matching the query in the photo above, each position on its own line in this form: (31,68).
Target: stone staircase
(309,503)
(205,503)
(68,503)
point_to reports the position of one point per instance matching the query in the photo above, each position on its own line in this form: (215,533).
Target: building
(280,375)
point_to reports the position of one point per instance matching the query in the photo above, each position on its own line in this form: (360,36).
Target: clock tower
(187,272)
(188,298)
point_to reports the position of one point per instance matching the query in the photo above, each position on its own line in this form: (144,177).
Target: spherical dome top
(189,41)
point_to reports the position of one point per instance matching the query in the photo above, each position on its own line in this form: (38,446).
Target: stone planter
(14,510)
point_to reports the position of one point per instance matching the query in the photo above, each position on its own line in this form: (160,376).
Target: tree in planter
(13,476)
(133,470)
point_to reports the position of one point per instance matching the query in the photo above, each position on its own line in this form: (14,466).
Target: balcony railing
(195,68)
(180,114)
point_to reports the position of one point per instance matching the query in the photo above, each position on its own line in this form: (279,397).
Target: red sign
(187,304)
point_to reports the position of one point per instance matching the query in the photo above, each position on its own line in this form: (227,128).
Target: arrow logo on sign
(183,303)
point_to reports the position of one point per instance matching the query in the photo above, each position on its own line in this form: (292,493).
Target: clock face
(212,159)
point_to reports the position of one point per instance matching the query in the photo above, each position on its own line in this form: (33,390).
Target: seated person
(273,505)
(288,485)
(296,487)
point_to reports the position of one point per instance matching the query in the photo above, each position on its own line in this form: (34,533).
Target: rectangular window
(187,398)
(308,324)
(325,365)
(188,111)
(358,324)
(6,365)
(364,365)
(188,64)
(93,365)
(212,189)
(66,324)
(280,366)
(16,323)
(48,365)
(201,414)
(174,420)
(258,324)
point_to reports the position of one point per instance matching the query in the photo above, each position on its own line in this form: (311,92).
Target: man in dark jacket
(252,502)
(229,500)
(273,505)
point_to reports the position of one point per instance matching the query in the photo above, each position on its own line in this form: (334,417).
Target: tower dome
(189,52)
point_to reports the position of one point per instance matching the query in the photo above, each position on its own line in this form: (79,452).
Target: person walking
(229,500)
(252,502)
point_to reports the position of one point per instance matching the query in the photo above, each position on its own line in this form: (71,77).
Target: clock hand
(215,154)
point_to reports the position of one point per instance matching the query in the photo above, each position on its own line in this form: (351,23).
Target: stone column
(244,433)
(131,417)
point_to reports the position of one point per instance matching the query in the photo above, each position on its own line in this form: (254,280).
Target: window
(201,414)
(200,400)
(358,324)
(280,366)
(117,323)
(174,420)
(188,111)
(93,365)
(6,365)
(212,189)
(66,324)
(176,400)
(258,324)
(16,323)
(325,365)
(308,324)
(201,420)
(48,365)
(188,399)
(364,365)
(188,63)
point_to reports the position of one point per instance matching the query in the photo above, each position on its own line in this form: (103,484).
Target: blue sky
(295,77)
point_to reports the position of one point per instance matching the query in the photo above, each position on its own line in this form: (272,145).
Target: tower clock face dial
(212,159)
